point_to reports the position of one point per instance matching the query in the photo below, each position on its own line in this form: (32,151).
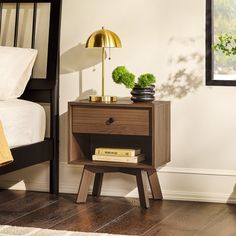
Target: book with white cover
(125,159)
(129,152)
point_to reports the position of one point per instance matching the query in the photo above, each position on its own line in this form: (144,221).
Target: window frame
(209,57)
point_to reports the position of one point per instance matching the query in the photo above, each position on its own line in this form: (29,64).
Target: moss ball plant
(121,75)
(146,80)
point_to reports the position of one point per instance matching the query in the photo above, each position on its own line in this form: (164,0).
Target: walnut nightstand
(121,124)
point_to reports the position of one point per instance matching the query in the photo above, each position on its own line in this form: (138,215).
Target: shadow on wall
(232,197)
(77,59)
(186,64)
(63,130)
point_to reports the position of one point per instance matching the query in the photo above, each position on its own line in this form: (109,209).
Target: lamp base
(106,98)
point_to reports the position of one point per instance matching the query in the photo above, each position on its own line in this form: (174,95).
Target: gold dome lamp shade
(103,39)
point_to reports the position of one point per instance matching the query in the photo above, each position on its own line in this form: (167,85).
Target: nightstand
(120,124)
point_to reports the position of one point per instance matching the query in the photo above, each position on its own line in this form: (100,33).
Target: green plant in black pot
(143,90)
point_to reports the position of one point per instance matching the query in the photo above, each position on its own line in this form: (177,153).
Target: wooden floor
(116,215)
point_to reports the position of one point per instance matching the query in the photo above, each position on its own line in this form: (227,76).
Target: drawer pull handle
(110,121)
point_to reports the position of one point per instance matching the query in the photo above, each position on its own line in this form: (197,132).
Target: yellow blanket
(5,153)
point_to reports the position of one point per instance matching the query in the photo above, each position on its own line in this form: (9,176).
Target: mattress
(23,122)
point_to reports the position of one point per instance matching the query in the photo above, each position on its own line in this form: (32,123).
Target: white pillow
(15,69)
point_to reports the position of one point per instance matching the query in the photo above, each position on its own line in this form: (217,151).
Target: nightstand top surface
(120,102)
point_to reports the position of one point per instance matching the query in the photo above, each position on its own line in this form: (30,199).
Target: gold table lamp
(103,39)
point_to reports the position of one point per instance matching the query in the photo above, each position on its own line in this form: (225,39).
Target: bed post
(54,163)
(54,69)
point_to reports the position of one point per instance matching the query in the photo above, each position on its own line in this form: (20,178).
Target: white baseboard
(200,197)
(185,184)
(195,171)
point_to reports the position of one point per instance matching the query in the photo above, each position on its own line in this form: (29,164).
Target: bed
(24,122)
(32,148)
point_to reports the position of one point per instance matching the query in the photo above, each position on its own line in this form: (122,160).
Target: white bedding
(23,122)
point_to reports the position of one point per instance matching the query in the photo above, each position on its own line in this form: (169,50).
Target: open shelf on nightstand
(87,143)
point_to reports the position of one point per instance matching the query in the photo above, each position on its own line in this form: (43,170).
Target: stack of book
(118,155)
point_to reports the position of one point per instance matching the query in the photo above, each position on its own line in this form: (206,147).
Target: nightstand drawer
(111,121)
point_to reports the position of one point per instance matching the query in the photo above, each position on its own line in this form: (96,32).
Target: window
(221,42)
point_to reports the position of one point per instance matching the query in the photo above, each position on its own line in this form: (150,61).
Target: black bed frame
(42,91)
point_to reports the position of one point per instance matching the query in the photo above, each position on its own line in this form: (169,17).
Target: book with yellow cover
(134,159)
(126,152)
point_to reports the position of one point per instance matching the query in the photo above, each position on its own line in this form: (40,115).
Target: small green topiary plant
(121,75)
(146,80)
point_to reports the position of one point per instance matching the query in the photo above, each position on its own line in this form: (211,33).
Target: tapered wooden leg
(85,182)
(154,184)
(97,187)
(143,197)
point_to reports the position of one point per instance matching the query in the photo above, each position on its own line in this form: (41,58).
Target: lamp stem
(103,62)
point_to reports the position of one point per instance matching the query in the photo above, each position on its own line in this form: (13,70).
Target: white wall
(166,38)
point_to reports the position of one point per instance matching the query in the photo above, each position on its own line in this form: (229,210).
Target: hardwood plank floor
(103,212)
(116,215)
(15,209)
